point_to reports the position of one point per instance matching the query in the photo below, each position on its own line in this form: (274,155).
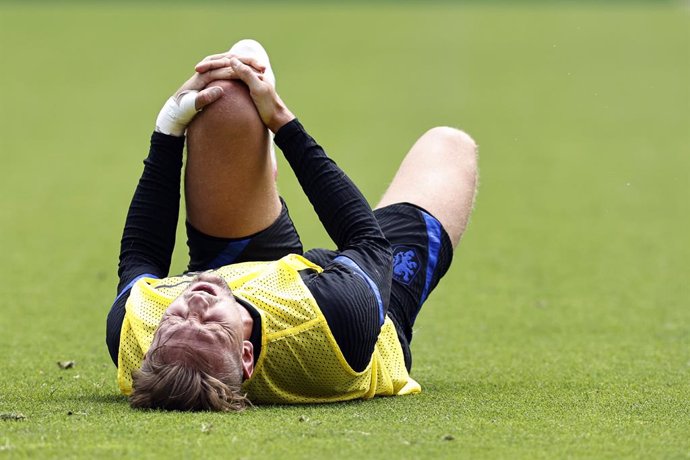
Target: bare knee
(439,174)
(233,115)
(451,158)
(235,102)
(454,142)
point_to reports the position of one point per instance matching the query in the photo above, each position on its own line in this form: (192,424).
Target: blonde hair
(183,385)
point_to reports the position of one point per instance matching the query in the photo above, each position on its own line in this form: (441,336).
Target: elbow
(112,333)
(113,344)
(385,247)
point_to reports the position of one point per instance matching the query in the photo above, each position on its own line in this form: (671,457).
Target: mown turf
(563,328)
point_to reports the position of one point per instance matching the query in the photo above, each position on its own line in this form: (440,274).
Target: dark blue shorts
(422,253)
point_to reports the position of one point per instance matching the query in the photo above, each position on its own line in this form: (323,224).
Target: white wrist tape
(177,113)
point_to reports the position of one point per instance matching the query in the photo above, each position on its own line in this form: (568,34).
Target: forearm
(149,235)
(341,207)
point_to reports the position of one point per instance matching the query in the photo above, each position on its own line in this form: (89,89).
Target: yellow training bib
(300,361)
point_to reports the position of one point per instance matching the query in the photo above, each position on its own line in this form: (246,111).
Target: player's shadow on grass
(107,399)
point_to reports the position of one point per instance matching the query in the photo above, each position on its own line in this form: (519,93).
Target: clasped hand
(195,94)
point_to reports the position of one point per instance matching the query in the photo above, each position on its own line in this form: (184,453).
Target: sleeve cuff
(167,141)
(166,149)
(288,132)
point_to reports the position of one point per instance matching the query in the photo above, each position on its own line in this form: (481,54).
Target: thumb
(208,95)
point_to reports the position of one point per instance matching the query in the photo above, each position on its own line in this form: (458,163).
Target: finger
(214,57)
(228,73)
(245,73)
(221,73)
(207,96)
(223,60)
(205,66)
(252,62)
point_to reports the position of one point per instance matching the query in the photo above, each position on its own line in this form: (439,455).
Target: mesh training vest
(300,361)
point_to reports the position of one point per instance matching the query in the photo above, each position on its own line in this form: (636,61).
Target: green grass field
(563,327)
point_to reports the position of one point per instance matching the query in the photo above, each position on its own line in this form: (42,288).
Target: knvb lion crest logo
(405,264)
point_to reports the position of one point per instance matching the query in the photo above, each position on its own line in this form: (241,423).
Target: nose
(198,303)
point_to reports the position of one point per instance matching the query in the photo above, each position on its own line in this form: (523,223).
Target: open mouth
(204,287)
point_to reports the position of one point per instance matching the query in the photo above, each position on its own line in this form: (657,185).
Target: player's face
(205,318)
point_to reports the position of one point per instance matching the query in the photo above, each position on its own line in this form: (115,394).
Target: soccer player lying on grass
(255,319)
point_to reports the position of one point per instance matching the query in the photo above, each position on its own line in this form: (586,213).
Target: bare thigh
(439,174)
(230,186)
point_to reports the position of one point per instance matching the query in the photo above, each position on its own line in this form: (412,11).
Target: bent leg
(439,174)
(229,179)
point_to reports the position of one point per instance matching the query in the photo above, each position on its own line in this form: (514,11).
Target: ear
(247,359)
